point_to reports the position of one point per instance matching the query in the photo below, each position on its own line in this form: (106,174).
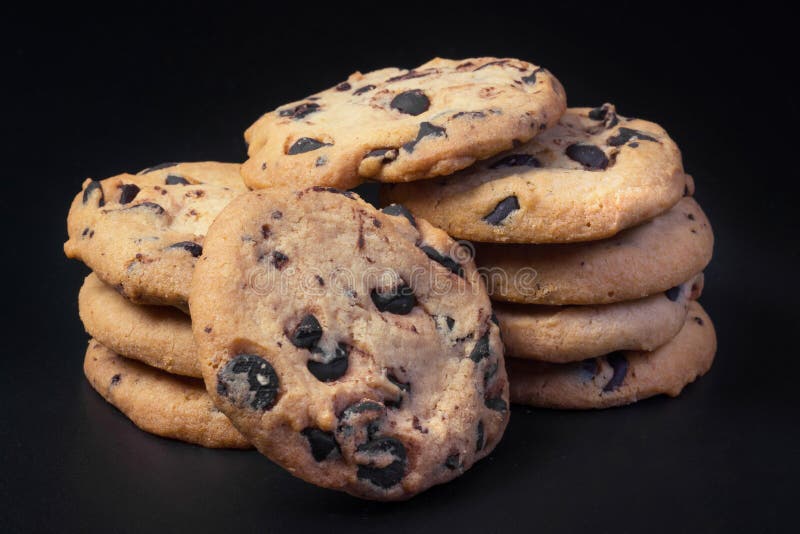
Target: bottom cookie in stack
(156,401)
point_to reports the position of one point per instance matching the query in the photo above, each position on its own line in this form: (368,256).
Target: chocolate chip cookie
(620,377)
(645,260)
(354,347)
(143,233)
(160,336)
(562,334)
(395,125)
(589,177)
(162,404)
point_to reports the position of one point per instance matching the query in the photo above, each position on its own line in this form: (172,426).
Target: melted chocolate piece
(390,475)
(530,79)
(673,293)
(452,462)
(278,259)
(152,206)
(128,192)
(497,404)
(173,179)
(299,111)
(398,210)
(307,333)
(322,443)
(334,368)
(305,144)
(503,209)
(249,380)
(426,129)
(626,134)
(411,102)
(479,442)
(89,191)
(344,86)
(399,300)
(445,261)
(516,160)
(189,246)
(160,166)
(362,90)
(481,349)
(619,364)
(590,156)
(410,75)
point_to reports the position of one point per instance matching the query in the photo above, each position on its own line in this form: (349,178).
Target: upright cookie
(348,344)
(159,336)
(621,377)
(592,175)
(159,403)
(143,233)
(645,260)
(394,125)
(562,334)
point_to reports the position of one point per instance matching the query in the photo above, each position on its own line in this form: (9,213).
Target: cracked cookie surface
(354,347)
(397,125)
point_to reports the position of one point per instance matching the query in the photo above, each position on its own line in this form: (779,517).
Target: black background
(95,93)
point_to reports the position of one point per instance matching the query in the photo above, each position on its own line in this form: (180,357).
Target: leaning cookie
(159,403)
(395,125)
(349,345)
(561,334)
(143,233)
(591,176)
(648,259)
(622,377)
(160,336)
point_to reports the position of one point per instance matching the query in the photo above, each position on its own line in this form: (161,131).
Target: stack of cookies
(593,249)
(266,305)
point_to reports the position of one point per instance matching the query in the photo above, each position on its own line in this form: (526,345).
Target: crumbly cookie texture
(162,404)
(641,261)
(591,176)
(351,346)
(142,233)
(395,125)
(160,336)
(562,334)
(621,377)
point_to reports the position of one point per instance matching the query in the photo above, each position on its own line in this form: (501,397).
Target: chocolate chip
(189,246)
(249,380)
(619,364)
(530,79)
(481,349)
(158,167)
(362,90)
(445,261)
(516,160)
(361,407)
(690,216)
(279,259)
(450,322)
(128,192)
(322,160)
(404,386)
(173,179)
(590,367)
(390,475)
(410,75)
(152,206)
(497,404)
(322,443)
(495,63)
(305,144)
(90,189)
(598,114)
(590,156)
(323,189)
(299,111)
(503,209)
(626,134)
(411,102)
(470,114)
(398,210)
(673,293)
(698,320)
(344,86)
(307,333)
(479,442)
(493,318)
(400,300)
(426,129)
(277,215)
(116,379)
(332,369)
(452,462)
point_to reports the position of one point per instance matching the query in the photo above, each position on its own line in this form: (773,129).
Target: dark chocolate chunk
(530,79)
(173,179)
(160,166)
(470,114)
(598,114)
(322,160)
(411,102)
(189,246)
(626,134)
(516,160)
(89,191)
(299,111)
(619,364)
(590,156)
(410,75)
(590,367)
(152,206)
(279,259)
(481,349)
(249,380)
(426,129)
(362,90)
(116,379)
(307,333)
(445,261)
(390,475)
(452,462)
(400,300)
(323,189)
(334,368)
(344,86)
(493,318)
(503,209)
(127,192)
(479,442)
(698,320)
(361,407)
(404,386)
(305,144)
(322,443)
(398,210)
(497,404)
(450,322)
(673,293)
(277,215)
